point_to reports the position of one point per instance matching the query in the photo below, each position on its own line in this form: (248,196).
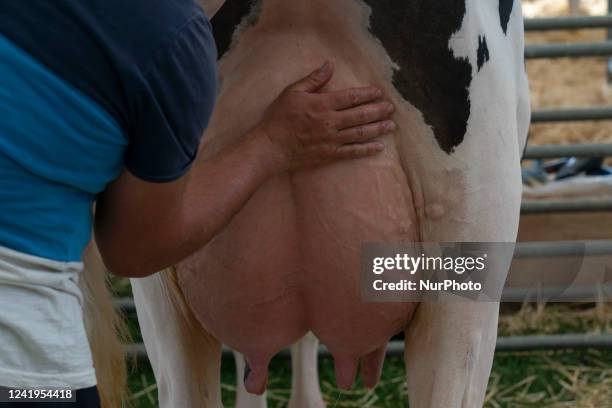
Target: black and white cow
(451,172)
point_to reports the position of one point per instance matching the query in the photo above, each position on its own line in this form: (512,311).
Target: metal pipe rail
(571,114)
(580,294)
(566,206)
(514,343)
(575,150)
(554,342)
(543,249)
(571,50)
(568,23)
(125,304)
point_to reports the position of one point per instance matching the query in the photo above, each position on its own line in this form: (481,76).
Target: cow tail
(172,289)
(201,351)
(106,331)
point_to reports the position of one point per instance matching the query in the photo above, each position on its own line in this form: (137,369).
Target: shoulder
(101,47)
(136,29)
(120,30)
(150,64)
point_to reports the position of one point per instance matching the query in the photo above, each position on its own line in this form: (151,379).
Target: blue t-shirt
(88,88)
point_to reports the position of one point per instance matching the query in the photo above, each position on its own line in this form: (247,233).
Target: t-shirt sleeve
(174,106)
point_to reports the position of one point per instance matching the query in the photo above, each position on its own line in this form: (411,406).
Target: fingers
(362,141)
(366,132)
(364,114)
(315,80)
(349,98)
(360,150)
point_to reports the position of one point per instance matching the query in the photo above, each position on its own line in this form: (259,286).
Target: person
(106,101)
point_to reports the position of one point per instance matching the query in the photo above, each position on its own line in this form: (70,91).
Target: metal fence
(547,342)
(601,49)
(504,344)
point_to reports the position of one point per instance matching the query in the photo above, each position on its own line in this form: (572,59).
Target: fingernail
(390,125)
(390,107)
(379,93)
(380,147)
(325,67)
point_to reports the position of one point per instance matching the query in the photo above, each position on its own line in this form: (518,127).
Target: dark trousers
(85,398)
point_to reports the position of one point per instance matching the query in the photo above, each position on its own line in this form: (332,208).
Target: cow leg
(243,398)
(186,360)
(305,390)
(449,352)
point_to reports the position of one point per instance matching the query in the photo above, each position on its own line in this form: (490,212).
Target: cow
(286,267)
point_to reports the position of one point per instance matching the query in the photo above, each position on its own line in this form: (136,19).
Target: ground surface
(580,379)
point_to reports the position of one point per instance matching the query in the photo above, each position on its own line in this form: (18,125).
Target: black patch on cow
(416,35)
(227,19)
(483,51)
(505,9)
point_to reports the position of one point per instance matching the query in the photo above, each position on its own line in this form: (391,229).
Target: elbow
(137,254)
(126,266)
(123,260)
(128,270)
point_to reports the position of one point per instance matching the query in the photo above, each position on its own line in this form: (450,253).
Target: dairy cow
(287,264)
